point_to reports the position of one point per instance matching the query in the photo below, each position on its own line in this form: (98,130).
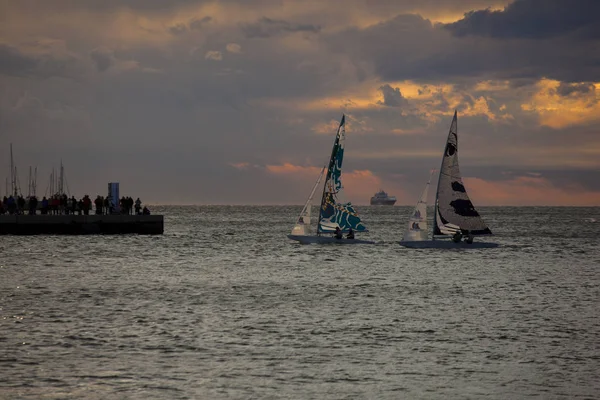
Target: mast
(437,190)
(61,179)
(312,193)
(13,173)
(29,183)
(34,182)
(329,169)
(52,182)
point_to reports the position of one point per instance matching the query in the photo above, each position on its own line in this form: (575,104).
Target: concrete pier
(80,224)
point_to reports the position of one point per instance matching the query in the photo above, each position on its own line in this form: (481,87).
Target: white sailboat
(333,212)
(454,212)
(417,223)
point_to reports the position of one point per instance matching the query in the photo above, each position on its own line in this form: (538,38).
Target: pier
(81,224)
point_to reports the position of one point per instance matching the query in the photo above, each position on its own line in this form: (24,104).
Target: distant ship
(381,198)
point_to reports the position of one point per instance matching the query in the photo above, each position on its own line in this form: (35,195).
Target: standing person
(73,204)
(69,206)
(107,205)
(87,204)
(98,204)
(138,206)
(33,203)
(44,205)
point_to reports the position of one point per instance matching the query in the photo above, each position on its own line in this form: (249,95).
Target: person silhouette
(350,234)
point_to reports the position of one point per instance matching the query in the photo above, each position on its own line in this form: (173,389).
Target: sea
(224,306)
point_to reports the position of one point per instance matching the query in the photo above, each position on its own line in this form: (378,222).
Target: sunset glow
(242,96)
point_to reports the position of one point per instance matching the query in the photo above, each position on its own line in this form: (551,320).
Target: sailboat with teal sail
(334,213)
(454,213)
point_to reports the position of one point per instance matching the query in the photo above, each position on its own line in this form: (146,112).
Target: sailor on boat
(457,237)
(469,238)
(350,234)
(338,233)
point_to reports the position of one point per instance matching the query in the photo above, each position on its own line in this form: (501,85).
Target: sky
(238,101)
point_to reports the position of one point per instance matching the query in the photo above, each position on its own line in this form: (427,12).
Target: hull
(326,240)
(379,202)
(446,244)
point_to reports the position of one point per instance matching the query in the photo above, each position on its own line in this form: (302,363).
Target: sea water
(223,305)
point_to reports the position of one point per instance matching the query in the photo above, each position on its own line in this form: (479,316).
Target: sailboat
(417,223)
(333,212)
(454,212)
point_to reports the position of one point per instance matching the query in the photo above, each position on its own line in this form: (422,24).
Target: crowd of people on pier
(61,204)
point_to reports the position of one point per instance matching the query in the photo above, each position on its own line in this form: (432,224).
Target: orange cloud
(528,191)
(559,111)
(290,169)
(242,165)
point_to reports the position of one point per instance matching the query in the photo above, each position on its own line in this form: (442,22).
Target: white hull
(446,244)
(326,240)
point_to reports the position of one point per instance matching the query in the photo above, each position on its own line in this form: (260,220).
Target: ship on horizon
(381,198)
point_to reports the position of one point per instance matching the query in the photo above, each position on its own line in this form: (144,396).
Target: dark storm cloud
(410,47)
(566,89)
(534,19)
(266,27)
(14,62)
(392,97)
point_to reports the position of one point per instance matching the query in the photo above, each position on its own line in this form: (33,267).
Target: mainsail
(454,210)
(417,224)
(302,226)
(333,212)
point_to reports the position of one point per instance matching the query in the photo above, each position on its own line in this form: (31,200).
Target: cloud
(15,62)
(42,59)
(102,57)
(558,104)
(566,89)
(266,27)
(214,55)
(533,19)
(197,24)
(392,97)
(178,29)
(528,190)
(397,73)
(409,47)
(241,165)
(291,169)
(234,48)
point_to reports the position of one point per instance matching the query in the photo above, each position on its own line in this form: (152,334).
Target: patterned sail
(334,212)
(453,209)
(417,224)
